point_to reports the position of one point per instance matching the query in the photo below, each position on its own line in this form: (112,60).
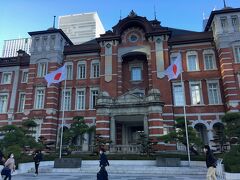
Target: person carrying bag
(9,167)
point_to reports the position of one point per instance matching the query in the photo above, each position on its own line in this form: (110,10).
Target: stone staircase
(131,167)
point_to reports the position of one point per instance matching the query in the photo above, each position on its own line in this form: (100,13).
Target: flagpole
(185,120)
(61,139)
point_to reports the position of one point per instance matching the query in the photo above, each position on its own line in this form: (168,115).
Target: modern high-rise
(11,46)
(82,27)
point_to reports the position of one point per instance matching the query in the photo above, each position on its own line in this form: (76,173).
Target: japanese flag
(56,76)
(174,69)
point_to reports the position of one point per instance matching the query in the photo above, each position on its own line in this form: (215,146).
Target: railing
(130,149)
(220,170)
(181,147)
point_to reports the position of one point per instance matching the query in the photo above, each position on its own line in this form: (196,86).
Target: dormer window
(224,23)
(235,23)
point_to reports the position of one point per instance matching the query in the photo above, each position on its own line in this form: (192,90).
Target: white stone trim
(105,136)
(155,127)
(102,129)
(101,121)
(194,123)
(155,119)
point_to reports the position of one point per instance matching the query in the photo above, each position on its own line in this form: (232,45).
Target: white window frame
(79,72)
(209,52)
(218,92)
(37,129)
(191,94)
(224,26)
(235,24)
(21,105)
(132,75)
(91,104)
(36,98)
(4,110)
(40,72)
(69,75)
(92,69)
(84,99)
(238,77)
(174,96)
(24,71)
(236,50)
(173,57)
(4,73)
(69,107)
(192,53)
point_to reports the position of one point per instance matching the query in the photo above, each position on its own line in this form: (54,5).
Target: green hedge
(51,157)
(231,160)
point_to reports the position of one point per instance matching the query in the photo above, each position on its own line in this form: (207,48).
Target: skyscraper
(11,46)
(81,27)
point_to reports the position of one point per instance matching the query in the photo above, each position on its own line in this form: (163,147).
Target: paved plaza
(79,176)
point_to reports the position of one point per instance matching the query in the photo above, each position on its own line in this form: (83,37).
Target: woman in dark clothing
(211,163)
(37,158)
(103,162)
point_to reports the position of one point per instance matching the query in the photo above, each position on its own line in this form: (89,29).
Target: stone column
(210,136)
(85,145)
(145,124)
(113,130)
(123,134)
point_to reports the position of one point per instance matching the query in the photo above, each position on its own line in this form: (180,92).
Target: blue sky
(17,17)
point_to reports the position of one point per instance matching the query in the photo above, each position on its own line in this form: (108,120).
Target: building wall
(11,47)
(115,58)
(81,27)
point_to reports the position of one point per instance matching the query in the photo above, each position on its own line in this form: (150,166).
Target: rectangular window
(213,93)
(209,62)
(42,69)
(67,102)
(223,23)
(21,102)
(178,95)
(95,70)
(6,77)
(39,98)
(94,95)
(24,76)
(166,129)
(3,102)
(37,130)
(192,63)
(81,71)
(235,23)
(69,72)
(136,73)
(80,100)
(196,93)
(237,54)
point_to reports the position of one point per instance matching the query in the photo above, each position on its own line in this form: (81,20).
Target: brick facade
(130,93)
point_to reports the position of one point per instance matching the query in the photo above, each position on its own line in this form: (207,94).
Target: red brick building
(116,82)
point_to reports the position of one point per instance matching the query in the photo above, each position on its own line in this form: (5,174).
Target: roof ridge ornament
(132,14)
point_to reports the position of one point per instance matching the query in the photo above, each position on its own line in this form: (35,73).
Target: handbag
(5,171)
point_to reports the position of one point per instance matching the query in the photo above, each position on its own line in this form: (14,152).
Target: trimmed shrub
(231,160)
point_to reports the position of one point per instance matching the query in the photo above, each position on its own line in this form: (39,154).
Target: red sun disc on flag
(57,76)
(175,69)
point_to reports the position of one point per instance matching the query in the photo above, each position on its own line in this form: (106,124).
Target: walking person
(103,162)
(211,163)
(10,166)
(37,159)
